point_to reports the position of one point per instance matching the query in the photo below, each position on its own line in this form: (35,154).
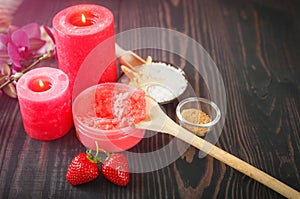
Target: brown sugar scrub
(198,115)
(195,116)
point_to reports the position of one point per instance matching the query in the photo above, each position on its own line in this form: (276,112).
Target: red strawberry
(83,168)
(115,169)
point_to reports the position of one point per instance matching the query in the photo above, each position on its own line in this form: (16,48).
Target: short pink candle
(45,102)
(78,30)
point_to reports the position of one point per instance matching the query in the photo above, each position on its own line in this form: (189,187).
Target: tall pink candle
(78,30)
(45,102)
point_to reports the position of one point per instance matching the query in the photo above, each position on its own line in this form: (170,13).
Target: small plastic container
(198,115)
(110,140)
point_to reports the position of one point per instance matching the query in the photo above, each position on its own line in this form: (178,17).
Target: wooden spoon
(157,120)
(128,58)
(140,79)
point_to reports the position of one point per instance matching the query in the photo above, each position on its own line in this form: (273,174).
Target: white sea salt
(173,82)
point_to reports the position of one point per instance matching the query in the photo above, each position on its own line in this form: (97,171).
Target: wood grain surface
(255,45)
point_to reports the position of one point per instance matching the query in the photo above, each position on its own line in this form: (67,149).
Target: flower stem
(16,76)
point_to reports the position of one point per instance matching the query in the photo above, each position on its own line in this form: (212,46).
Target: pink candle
(45,103)
(78,30)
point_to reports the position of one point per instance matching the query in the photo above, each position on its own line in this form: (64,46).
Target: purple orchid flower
(21,44)
(18,46)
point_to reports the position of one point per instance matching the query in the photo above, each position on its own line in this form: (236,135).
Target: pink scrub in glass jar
(105,113)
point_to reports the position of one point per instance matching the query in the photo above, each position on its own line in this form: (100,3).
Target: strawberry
(115,169)
(83,168)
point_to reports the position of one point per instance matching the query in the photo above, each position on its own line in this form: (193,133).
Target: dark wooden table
(255,45)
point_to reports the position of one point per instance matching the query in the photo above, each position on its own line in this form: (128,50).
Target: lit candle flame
(83,19)
(41,83)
